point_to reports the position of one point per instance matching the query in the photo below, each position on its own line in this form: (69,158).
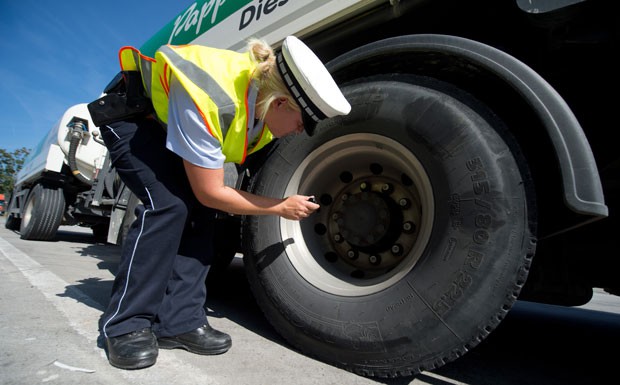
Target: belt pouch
(124,99)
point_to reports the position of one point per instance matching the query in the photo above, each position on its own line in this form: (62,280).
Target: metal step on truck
(475,169)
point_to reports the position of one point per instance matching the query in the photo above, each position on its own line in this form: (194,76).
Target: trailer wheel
(12,223)
(42,213)
(227,234)
(100,232)
(423,240)
(226,244)
(128,218)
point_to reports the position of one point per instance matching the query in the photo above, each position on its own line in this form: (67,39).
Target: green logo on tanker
(193,22)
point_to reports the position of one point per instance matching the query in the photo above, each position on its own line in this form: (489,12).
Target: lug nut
(397,249)
(408,227)
(374,259)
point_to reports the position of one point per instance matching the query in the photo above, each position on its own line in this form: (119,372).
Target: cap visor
(309,123)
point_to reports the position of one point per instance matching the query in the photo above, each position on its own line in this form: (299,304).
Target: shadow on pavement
(535,344)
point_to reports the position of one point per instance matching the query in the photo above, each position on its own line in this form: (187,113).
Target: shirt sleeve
(188,135)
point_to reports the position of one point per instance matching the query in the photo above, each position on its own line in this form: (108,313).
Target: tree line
(10,163)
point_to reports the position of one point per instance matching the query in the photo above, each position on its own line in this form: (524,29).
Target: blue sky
(54,54)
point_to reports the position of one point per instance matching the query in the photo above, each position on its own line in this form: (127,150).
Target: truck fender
(582,186)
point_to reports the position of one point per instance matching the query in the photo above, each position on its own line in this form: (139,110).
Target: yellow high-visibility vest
(218,81)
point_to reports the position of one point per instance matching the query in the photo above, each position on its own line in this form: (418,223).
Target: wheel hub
(374,220)
(365,225)
(363,219)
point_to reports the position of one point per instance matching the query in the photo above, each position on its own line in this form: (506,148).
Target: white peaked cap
(310,83)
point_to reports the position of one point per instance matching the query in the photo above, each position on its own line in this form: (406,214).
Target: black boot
(135,350)
(204,340)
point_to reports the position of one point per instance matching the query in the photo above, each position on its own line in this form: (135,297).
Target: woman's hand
(298,207)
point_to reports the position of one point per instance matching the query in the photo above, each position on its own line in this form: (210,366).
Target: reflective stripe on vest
(207,84)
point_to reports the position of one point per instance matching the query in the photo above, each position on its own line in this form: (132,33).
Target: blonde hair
(270,84)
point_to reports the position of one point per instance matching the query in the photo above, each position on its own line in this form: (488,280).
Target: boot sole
(134,364)
(171,344)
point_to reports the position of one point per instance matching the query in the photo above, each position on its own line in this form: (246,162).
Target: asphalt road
(53,293)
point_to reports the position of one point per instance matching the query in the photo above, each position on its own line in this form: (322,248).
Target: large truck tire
(423,240)
(43,213)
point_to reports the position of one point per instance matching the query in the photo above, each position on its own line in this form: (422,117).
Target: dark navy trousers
(166,255)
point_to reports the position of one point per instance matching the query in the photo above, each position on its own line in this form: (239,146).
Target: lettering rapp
(193,18)
(255,11)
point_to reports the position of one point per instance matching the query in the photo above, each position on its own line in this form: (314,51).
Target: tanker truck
(58,181)
(474,170)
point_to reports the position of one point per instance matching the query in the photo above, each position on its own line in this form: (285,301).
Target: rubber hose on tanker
(76,138)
